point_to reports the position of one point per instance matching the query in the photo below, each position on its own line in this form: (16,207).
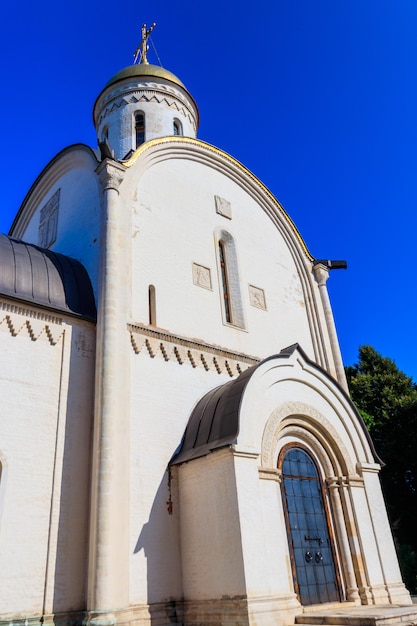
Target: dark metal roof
(214,422)
(45,278)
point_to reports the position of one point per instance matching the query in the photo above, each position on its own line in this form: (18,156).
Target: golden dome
(145,70)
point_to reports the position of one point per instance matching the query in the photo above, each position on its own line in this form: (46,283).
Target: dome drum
(156,94)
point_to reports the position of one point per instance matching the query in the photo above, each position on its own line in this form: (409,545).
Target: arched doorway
(309,536)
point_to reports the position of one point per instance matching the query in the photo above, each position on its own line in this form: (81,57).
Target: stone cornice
(162,344)
(269,474)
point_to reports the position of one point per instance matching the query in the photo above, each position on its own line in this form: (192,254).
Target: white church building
(177,441)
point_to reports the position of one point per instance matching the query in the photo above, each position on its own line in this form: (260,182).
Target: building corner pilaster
(321,274)
(108,572)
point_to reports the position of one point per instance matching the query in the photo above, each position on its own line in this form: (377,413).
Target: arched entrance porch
(230,484)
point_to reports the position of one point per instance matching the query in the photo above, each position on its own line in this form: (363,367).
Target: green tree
(387,401)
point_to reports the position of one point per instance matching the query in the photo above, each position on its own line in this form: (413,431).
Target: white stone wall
(162,398)
(207,491)
(46,390)
(175,225)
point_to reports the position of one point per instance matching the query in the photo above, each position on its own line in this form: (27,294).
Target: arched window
(139,129)
(229,282)
(225,284)
(309,534)
(152,305)
(177,127)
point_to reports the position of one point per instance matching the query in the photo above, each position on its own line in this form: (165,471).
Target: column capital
(110,174)
(368,467)
(321,274)
(333,482)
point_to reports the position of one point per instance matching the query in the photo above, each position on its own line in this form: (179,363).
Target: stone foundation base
(398,594)
(222,612)
(236,611)
(241,612)
(161,614)
(70,618)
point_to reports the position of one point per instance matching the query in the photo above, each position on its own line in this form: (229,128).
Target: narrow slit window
(225,285)
(139,129)
(228,280)
(152,305)
(177,128)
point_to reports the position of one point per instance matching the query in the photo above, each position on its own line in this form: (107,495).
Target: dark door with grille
(308,531)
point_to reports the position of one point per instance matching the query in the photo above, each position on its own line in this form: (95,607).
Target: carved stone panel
(257,297)
(223,207)
(201,276)
(48,224)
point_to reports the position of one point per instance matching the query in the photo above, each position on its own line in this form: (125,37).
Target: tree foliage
(387,401)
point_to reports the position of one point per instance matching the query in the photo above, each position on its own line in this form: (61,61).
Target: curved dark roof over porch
(45,278)
(214,422)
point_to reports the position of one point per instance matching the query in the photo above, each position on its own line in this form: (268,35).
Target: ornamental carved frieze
(159,95)
(48,221)
(36,325)
(143,88)
(297,419)
(157,344)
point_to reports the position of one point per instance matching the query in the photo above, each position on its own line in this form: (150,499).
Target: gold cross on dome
(142,49)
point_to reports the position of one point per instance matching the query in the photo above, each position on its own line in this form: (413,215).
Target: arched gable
(61,210)
(197,174)
(298,399)
(77,156)
(285,396)
(159,150)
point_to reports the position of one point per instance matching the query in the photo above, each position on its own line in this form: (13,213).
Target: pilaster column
(321,274)
(352,593)
(108,579)
(393,585)
(352,515)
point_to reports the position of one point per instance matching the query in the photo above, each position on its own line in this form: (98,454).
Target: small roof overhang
(45,278)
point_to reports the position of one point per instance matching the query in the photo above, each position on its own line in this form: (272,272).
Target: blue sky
(318,98)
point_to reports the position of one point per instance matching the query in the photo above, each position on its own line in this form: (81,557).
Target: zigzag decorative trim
(147,96)
(38,326)
(143,86)
(181,350)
